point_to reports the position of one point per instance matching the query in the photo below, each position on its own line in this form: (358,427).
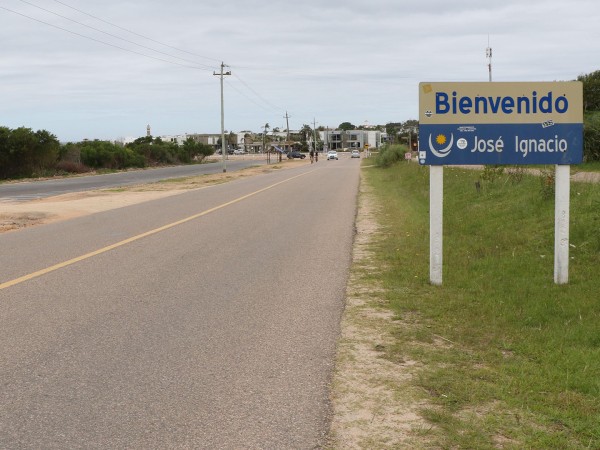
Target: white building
(344,140)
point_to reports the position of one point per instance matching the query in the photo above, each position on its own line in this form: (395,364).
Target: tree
(345,126)
(107,155)
(305,134)
(591,137)
(247,140)
(264,135)
(5,154)
(231,139)
(392,130)
(591,90)
(408,132)
(410,125)
(196,150)
(24,152)
(591,120)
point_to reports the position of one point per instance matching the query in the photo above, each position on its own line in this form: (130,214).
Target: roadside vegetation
(390,155)
(501,357)
(27,153)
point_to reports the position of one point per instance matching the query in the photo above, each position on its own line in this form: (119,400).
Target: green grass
(593,166)
(175,180)
(510,359)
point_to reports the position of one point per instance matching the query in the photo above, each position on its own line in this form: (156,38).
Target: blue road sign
(500,123)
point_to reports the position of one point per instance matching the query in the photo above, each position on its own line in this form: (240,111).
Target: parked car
(239,152)
(332,154)
(355,154)
(295,154)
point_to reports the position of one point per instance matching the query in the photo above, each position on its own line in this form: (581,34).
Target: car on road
(295,154)
(355,154)
(332,154)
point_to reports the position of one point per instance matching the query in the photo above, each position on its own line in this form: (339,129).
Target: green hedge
(390,154)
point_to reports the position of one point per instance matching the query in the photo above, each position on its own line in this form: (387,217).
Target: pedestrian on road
(312,156)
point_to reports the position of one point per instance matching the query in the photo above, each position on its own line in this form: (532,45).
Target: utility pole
(287,121)
(315,134)
(223,151)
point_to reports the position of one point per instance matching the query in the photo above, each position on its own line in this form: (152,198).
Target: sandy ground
(375,404)
(586,177)
(18,215)
(14,216)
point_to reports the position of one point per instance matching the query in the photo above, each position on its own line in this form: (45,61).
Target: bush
(106,155)
(194,151)
(71,167)
(155,151)
(547,184)
(492,172)
(591,137)
(390,154)
(25,153)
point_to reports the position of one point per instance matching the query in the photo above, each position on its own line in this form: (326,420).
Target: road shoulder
(374,402)
(18,215)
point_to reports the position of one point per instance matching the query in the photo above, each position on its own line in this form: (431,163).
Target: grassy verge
(593,166)
(509,360)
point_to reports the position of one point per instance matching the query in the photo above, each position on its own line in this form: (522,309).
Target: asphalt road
(29,190)
(203,320)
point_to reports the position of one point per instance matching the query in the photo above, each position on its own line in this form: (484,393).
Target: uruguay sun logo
(441,150)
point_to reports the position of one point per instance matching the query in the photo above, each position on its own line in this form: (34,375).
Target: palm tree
(305,134)
(247,140)
(266,127)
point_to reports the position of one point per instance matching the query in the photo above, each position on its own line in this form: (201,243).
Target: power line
(112,35)
(257,94)
(134,33)
(189,63)
(248,97)
(103,42)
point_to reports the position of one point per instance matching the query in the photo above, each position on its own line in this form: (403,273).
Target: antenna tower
(488,55)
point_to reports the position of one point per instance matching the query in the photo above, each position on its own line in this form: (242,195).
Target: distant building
(350,139)
(207,139)
(342,140)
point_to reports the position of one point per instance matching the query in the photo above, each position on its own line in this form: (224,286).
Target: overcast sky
(329,61)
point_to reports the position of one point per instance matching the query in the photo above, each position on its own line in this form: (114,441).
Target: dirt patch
(16,216)
(586,177)
(16,220)
(374,401)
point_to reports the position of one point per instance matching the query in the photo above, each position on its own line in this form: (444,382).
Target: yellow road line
(70,262)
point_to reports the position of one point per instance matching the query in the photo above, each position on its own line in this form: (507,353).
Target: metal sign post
(501,123)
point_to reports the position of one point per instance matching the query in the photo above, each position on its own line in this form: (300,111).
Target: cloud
(330,62)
